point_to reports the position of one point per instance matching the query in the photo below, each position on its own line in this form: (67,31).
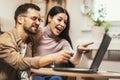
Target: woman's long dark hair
(65,33)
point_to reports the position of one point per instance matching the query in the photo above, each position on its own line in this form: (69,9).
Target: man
(13,42)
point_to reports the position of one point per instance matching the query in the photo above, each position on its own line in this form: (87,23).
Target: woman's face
(57,23)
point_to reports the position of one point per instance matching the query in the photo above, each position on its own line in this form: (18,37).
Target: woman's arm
(81,49)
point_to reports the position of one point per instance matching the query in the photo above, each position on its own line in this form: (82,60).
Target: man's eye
(59,20)
(34,18)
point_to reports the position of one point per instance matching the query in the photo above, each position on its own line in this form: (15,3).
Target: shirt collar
(17,37)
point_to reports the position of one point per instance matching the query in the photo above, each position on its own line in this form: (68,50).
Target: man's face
(32,21)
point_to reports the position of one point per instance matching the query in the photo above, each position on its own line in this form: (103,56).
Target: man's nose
(38,22)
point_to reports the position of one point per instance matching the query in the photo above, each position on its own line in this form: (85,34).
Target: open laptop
(96,61)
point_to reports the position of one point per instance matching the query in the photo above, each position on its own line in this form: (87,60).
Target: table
(99,74)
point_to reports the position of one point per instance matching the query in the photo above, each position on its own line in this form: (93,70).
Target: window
(112,8)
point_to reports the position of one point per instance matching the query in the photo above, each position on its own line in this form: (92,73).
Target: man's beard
(30,31)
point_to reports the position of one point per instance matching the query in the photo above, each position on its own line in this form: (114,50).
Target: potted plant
(99,18)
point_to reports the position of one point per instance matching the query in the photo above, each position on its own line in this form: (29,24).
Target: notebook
(96,61)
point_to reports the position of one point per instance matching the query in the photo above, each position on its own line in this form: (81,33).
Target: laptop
(96,61)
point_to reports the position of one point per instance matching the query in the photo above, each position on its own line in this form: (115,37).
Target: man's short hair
(23,9)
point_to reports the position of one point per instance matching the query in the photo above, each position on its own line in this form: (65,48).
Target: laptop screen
(101,52)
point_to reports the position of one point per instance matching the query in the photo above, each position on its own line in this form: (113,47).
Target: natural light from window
(112,8)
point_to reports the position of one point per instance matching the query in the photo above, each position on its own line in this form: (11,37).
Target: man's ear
(20,19)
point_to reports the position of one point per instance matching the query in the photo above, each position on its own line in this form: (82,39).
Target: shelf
(46,5)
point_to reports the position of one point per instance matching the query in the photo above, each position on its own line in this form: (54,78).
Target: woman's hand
(83,48)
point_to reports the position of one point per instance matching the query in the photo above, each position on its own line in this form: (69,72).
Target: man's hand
(62,56)
(59,57)
(83,48)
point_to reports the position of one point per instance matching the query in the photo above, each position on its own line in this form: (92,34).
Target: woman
(55,37)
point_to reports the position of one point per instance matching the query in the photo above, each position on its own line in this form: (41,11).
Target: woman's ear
(49,19)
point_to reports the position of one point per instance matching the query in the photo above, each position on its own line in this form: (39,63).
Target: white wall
(7,9)
(78,20)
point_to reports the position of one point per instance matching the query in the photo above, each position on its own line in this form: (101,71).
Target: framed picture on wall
(42,5)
